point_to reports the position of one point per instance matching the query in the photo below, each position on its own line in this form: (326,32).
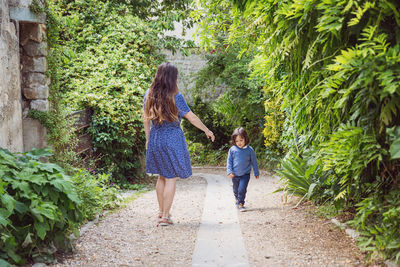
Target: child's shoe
(241,208)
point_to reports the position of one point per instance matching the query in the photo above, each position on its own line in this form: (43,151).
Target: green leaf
(21,207)
(8,201)
(14,256)
(7,159)
(41,229)
(38,179)
(395,150)
(4,214)
(22,186)
(39,153)
(311,189)
(37,214)
(50,167)
(4,263)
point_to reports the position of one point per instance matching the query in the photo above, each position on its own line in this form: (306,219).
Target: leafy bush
(41,205)
(351,153)
(378,221)
(226,97)
(394,141)
(304,178)
(213,120)
(204,155)
(108,65)
(95,192)
(296,182)
(329,64)
(105,55)
(237,97)
(38,206)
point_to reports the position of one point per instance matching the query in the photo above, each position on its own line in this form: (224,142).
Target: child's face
(240,142)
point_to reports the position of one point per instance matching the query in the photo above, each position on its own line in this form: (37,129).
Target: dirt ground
(275,234)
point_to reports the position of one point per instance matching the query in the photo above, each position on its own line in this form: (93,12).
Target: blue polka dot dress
(167,152)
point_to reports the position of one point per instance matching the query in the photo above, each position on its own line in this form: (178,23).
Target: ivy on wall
(103,55)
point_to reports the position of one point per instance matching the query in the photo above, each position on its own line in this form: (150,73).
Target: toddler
(241,157)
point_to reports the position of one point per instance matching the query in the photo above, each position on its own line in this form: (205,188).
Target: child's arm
(229,165)
(254,164)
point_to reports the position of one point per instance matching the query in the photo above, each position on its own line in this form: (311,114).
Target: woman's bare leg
(169,193)
(160,186)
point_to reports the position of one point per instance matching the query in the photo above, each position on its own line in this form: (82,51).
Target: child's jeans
(240,187)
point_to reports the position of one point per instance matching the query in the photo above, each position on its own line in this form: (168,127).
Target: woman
(167,153)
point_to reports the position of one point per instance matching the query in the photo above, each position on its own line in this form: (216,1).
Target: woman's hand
(231,175)
(199,124)
(210,134)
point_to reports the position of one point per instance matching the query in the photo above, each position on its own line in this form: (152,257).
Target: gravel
(275,234)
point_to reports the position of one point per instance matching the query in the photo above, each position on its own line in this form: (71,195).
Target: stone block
(4,10)
(34,64)
(20,3)
(32,31)
(10,37)
(36,91)
(26,15)
(34,134)
(34,49)
(40,104)
(26,104)
(35,78)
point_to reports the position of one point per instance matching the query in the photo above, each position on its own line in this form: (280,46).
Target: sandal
(165,221)
(160,215)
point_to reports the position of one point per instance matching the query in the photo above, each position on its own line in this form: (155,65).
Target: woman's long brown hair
(160,103)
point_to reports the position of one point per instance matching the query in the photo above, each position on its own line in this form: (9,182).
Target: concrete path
(219,240)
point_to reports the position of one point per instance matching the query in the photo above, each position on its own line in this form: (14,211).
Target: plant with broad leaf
(39,206)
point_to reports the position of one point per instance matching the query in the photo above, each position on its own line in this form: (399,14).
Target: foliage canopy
(333,66)
(108,54)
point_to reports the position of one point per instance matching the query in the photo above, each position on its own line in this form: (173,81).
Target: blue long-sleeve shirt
(240,161)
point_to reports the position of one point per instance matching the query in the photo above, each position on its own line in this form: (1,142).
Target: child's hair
(160,103)
(242,133)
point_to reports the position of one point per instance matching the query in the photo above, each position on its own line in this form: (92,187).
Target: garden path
(274,234)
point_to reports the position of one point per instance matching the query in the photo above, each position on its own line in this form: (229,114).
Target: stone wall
(23,84)
(34,84)
(187,66)
(11,134)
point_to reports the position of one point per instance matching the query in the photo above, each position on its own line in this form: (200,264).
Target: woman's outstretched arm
(190,116)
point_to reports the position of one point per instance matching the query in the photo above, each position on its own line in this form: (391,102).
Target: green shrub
(95,192)
(240,102)
(327,210)
(350,153)
(378,221)
(107,54)
(204,155)
(213,120)
(306,179)
(326,64)
(108,70)
(38,207)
